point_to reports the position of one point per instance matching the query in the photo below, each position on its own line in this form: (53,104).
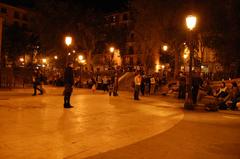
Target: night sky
(102,5)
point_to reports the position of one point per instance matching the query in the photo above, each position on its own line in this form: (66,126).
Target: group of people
(147,84)
(224,97)
(107,84)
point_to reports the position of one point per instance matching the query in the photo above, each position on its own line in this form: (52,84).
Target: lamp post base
(188,104)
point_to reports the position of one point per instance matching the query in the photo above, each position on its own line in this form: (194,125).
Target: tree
(59,18)
(157,23)
(17,42)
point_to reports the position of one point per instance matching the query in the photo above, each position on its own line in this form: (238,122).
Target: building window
(3,10)
(25,17)
(16,15)
(130,50)
(16,23)
(117,18)
(125,17)
(24,26)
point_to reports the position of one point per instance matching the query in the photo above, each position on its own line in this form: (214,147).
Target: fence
(15,78)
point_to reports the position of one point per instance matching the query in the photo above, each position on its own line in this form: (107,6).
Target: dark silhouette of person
(69,82)
(182,86)
(196,82)
(37,81)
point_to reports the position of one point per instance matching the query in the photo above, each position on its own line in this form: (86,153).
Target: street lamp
(165,47)
(111,49)
(21,59)
(44,60)
(80,57)
(68,40)
(55,57)
(191,24)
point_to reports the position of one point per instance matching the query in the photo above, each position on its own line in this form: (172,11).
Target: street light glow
(191,22)
(165,47)
(69,54)
(68,40)
(80,57)
(44,60)
(74,51)
(111,49)
(21,59)
(185,56)
(55,57)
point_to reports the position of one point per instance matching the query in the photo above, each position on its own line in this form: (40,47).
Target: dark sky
(102,5)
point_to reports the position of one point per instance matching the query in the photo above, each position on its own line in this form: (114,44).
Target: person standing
(137,82)
(196,82)
(142,87)
(68,81)
(182,87)
(105,83)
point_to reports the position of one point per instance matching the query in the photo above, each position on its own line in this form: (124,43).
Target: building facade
(19,16)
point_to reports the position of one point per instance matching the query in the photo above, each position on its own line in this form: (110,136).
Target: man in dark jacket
(68,81)
(37,81)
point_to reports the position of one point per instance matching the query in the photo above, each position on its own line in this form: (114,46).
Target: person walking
(68,81)
(37,80)
(137,82)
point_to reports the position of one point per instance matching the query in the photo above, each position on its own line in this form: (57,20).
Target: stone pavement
(39,127)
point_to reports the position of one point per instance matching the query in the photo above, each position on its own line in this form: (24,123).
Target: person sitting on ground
(222,92)
(222,96)
(205,90)
(234,96)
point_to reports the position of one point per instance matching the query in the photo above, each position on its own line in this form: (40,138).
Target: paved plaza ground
(103,127)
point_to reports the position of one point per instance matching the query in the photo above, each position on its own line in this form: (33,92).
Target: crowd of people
(149,84)
(222,97)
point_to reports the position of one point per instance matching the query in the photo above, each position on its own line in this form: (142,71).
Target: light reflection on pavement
(39,127)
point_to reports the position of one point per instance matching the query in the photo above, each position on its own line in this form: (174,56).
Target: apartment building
(19,16)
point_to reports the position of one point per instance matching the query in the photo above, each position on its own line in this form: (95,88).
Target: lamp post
(81,62)
(191,23)
(111,50)
(68,42)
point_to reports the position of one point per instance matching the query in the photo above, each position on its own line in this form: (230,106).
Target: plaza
(100,126)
